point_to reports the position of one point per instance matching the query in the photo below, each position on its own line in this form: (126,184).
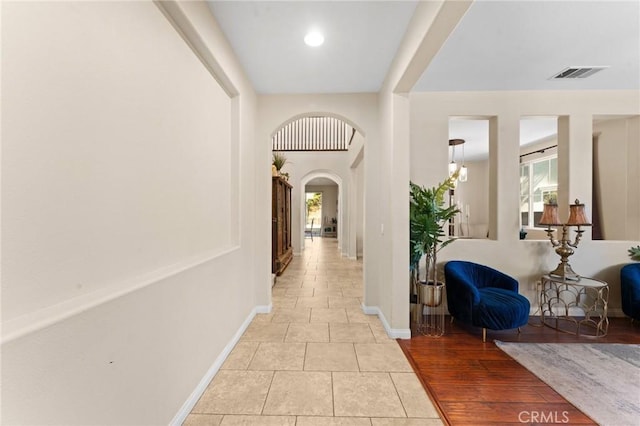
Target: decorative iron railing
(314,134)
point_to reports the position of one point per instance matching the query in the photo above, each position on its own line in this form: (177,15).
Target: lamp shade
(550,215)
(462,177)
(452,168)
(577,216)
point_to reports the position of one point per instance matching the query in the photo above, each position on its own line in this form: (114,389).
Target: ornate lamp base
(565,272)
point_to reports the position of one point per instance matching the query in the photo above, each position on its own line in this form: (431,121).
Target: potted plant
(634,253)
(428,216)
(278,161)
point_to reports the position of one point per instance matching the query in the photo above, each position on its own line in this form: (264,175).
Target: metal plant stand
(431,310)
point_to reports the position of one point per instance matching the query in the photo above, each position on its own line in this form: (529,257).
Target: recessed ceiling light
(314,39)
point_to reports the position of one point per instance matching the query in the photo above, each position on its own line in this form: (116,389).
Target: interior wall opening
(320,145)
(469,154)
(539,181)
(616,173)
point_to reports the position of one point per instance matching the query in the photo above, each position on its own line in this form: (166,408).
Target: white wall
(356,197)
(359,214)
(618,150)
(525,260)
(127,200)
(122,198)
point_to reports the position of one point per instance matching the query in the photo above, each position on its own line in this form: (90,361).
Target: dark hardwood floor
(474,383)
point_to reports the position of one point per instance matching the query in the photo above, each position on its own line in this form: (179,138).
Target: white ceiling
(321,181)
(361,39)
(498,45)
(519,45)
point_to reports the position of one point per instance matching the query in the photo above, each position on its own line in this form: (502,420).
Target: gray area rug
(600,379)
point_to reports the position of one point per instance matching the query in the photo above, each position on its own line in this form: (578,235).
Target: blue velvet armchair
(484,297)
(630,290)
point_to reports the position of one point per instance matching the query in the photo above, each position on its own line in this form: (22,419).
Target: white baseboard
(394,333)
(188,405)
(370,310)
(263,309)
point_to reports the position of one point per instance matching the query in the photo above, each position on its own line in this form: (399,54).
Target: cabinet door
(287,218)
(274,227)
(281,249)
(281,218)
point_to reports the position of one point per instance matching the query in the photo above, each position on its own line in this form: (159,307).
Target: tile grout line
(304,357)
(253,356)
(335,290)
(273,375)
(395,386)
(355,352)
(333,397)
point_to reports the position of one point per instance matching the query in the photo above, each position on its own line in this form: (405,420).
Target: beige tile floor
(316,359)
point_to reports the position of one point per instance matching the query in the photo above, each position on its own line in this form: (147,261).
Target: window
(538,186)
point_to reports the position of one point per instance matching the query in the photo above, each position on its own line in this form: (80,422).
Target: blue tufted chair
(630,290)
(484,297)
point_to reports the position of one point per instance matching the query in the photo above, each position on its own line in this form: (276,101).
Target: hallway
(316,359)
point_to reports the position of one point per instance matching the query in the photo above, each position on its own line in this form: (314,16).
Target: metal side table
(582,305)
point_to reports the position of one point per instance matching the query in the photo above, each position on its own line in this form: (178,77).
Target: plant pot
(430,294)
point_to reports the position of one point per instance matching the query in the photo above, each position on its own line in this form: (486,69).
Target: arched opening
(327,147)
(300,126)
(314,182)
(314,133)
(344,170)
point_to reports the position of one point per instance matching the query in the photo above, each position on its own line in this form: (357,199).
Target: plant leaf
(427,218)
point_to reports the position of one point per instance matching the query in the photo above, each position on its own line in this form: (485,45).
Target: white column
(504,176)
(400,212)
(575,157)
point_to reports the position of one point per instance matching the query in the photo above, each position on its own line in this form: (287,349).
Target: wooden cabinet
(281,250)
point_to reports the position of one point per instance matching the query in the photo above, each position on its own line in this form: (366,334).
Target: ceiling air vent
(577,72)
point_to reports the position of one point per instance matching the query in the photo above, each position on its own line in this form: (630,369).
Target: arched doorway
(322,146)
(321,177)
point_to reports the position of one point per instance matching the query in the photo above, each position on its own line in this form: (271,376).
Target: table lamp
(564,246)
